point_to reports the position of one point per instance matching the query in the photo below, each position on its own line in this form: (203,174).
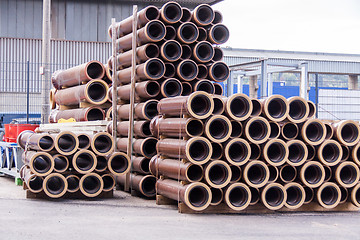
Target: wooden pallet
(76,195)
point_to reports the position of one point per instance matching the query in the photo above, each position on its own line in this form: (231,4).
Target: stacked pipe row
(243,152)
(66,162)
(174,56)
(80,92)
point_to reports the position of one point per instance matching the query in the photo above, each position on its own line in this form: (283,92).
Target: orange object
(13,130)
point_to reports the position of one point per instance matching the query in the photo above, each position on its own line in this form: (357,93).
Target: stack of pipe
(175,56)
(80,93)
(270,152)
(67,162)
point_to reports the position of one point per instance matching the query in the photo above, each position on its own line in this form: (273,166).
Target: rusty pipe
(298,109)
(84,140)
(273,173)
(237,129)
(235,173)
(91,185)
(33,183)
(218,34)
(257,130)
(217,196)
(175,169)
(78,74)
(219,104)
(73,183)
(298,153)
(196,196)
(152,69)
(187,70)
(256,174)
(171,51)
(143,184)
(289,130)
(145,110)
(203,85)
(203,71)
(84,161)
(329,131)
(202,34)
(217,150)
(275,108)
(186,52)
(218,54)
(199,105)
(313,132)
(275,152)
(203,15)
(171,12)
(217,174)
(218,17)
(186,17)
(237,151)
(218,71)
(197,150)
(144,16)
(55,185)
(176,127)
(187,33)
(79,114)
(102,143)
(35,141)
(40,163)
(101,165)
(273,196)
(287,173)
(203,52)
(312,109)
(275,129)
(141,165)
(153,31)
(256,110)
(255,151)
(218,128)
(311,152)
(347,132)
(295,195)
(255,196)
(186,89)
(238,107)
(218,89)
(328,195)
(109,182)
(170,87)
(118,163)
(61,163)
(144,147)
(347,174)
(143,90)
(312,174)
(355,195)
(330,152)
(237,196)
(170,70)
(309,194)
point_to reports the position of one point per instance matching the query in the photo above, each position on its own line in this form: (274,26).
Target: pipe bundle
(69,162)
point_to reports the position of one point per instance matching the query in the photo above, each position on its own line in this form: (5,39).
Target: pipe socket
(55,185)
(295,195)
(33,183)
(203,15)
(238,107)
(84,161)
(61,163)
(35,141)
(275,152)
(330,152)
(187,70)
(274,196)
(218,128)
(145,147)
(347,174)
(218,71)
(313,132)
(102,143)
(257,130)
(109,182)
(143,184)
(73,183)
(118,163)
(347,132)
(256,174)
(288,173)
(217,174)
(275,108)
(289,131)
(203,85)
(312,174)
(84,140)
(40,163)
(237,196)
(237,151)
(298,109)
(218,34)
(187,33)
(171,12)
(91,185)
(298,153)
(203,52)
(328,195)
(176,127)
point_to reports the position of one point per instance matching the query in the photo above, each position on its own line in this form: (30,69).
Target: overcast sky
(294,25)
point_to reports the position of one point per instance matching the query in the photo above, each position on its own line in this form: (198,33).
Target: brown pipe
(355,195)
(78,74)
(143,90)
(52,98)
(218,54)
(344,195)
(298,109)
(202,34)
(328,173)
(219,104)
(40,163)
(145,110)
(217,151)
(176,127)
(275,108)
(203,52)
(218,71)
(197,150)
(141,165)
(217,174)
(186,89)
(55,185)
(176,169)
(169,70)
(66,143)
(256,174)
(186,52)
(170,33)
(186,17)
(118,163)
(257,130)
(73,183)
(102,143)
(79,114)
(255,151)
(144,16)
(84,140)
(218,89)
(187,33)
(203,15)
(196,196)
(171,51)
(35,141)
(255,196)
(329,131)
(288,173)
(346,153)
(309,194)
(153,31)
(238,196)
(91,185)
(237,151)
(84,161)
(187,70)
(218,18)
(61,163)
(238,107)
(329,195)
(289,131)
(330,152)
(312,174)
(298,153)
(218,128)
(347,132)
(101,165)
(171,12)
(311,152)
(235,173)
(256,110)
(217,196)
(203,71)
(152,69)
(347,174)
(199,105)
(203,85)
(274,196)
(141,128)
(108,113)
(273,173)
(144,147)
(218,34)
(109,182)
(312,109)
(275,152)
(295,195)
(275,129)
(108,73)
(33,183)
(313,132)
(355,154)
(170,87)
(237,129)
(143,184)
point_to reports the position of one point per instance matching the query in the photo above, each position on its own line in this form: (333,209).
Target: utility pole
(45,59)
